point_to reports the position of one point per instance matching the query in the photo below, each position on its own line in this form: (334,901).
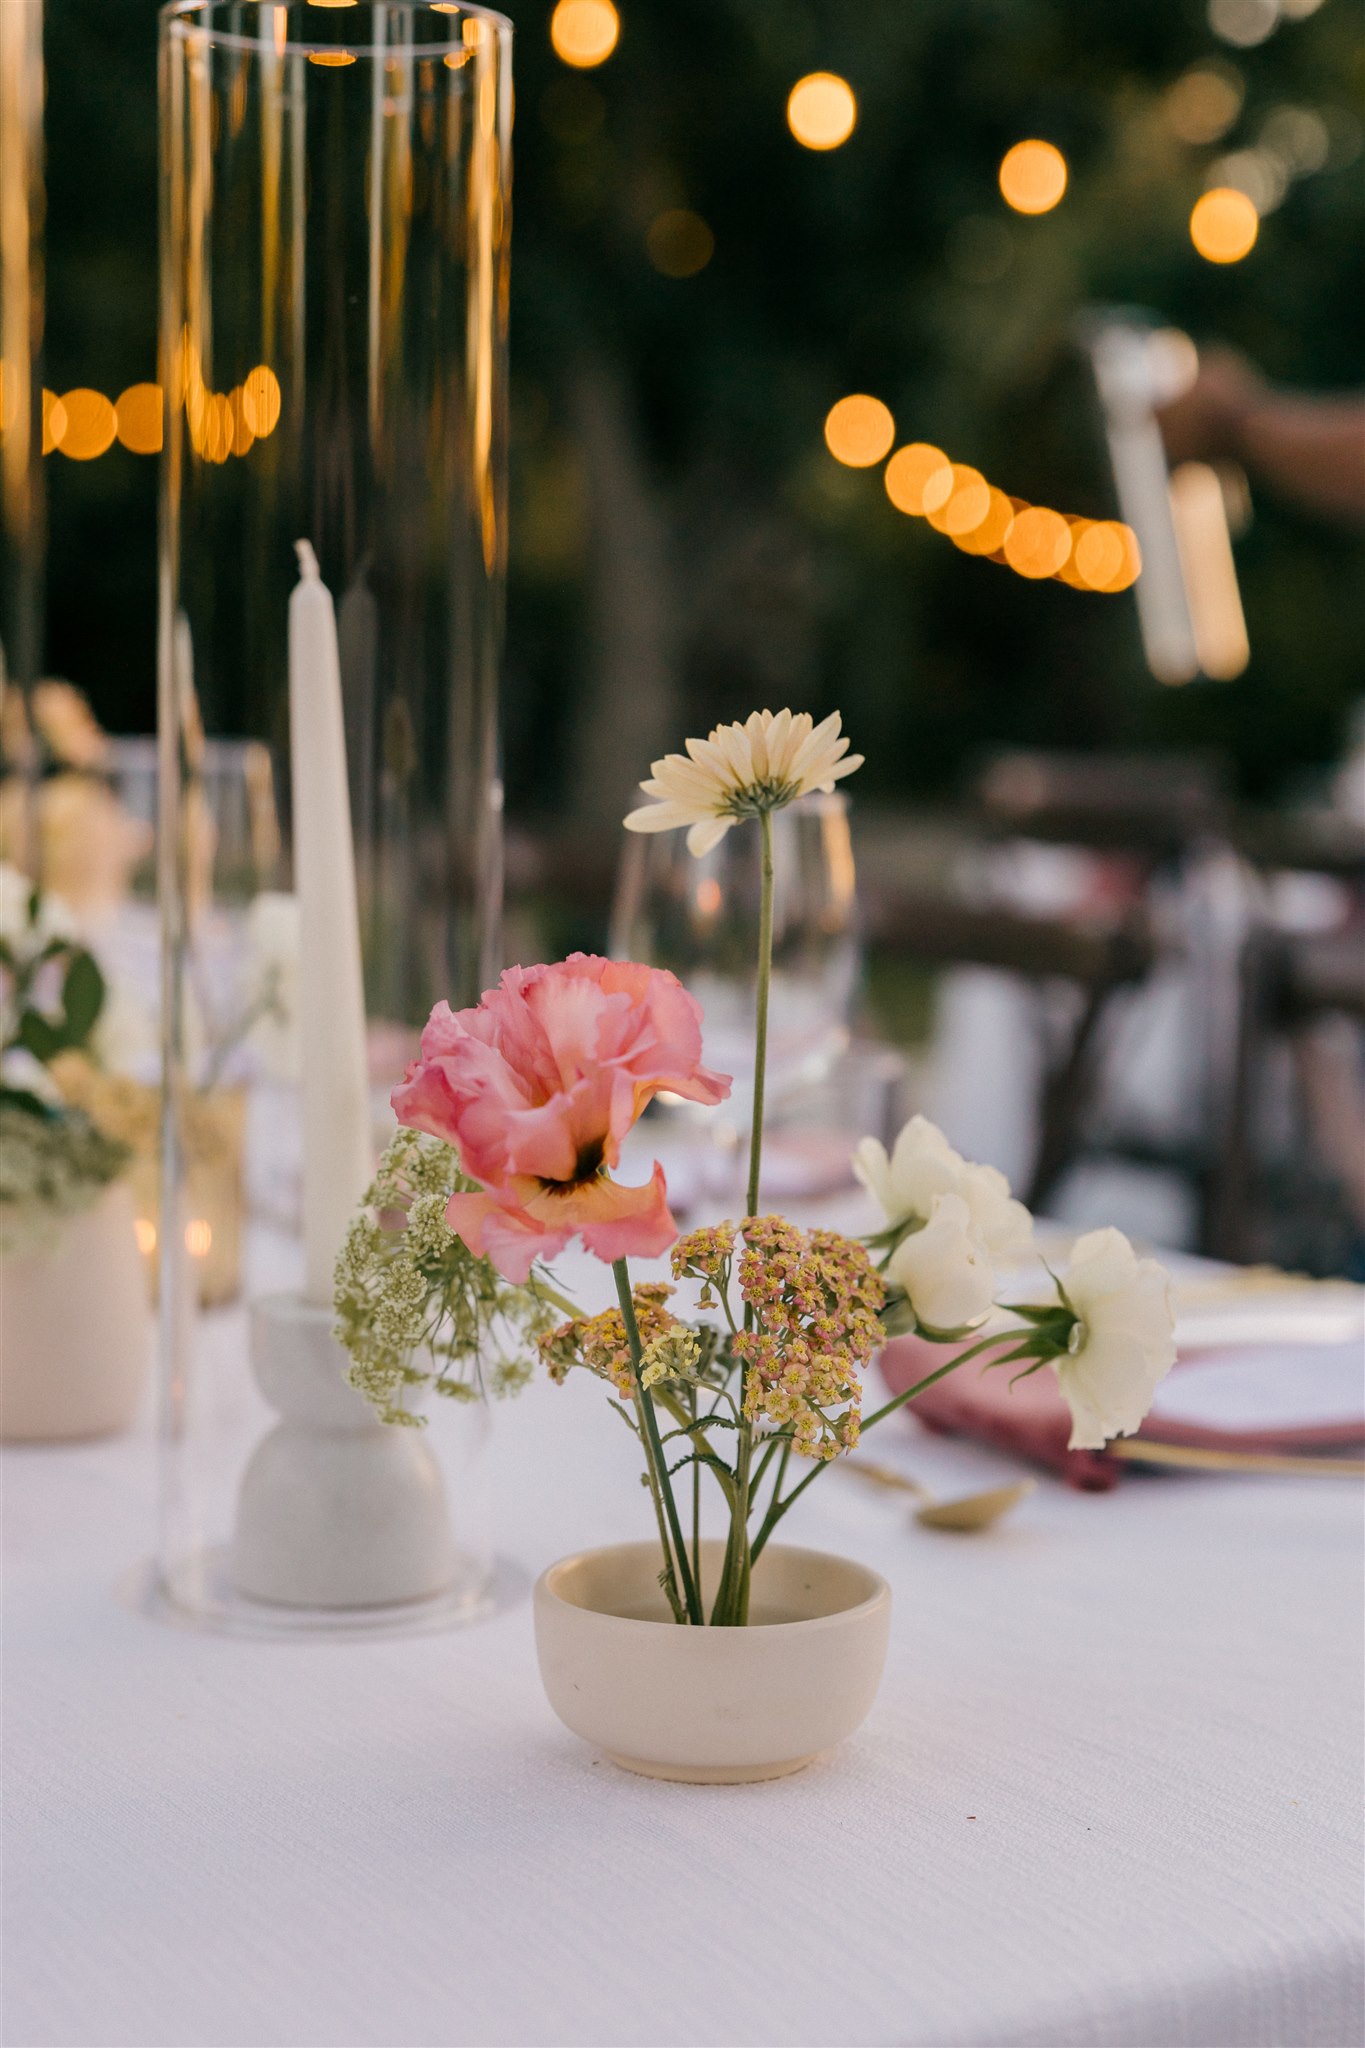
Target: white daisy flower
(1123,1344)
(740,771)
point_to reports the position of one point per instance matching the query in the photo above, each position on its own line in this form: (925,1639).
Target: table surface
(1110,1792)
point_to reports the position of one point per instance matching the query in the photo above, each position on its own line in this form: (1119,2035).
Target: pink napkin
(1032,1420)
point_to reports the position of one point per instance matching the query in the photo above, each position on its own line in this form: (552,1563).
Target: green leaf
(43,1039)
(82,997)
(32,1105)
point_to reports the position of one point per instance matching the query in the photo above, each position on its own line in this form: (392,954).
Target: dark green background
(773,575)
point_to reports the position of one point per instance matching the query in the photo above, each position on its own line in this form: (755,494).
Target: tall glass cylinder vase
(21,339)
(335,215)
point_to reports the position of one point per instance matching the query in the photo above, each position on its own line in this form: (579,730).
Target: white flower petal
(815,742)
(1127,1338)
(944,1270)
(656,818)
(707,834)
(872,1167)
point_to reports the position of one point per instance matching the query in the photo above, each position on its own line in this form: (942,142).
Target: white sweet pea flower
(1123,1344)
(943,1268)
(124,1040)
(923,1166)
(54,920)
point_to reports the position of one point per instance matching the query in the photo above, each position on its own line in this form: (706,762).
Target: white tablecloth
(1110,1793)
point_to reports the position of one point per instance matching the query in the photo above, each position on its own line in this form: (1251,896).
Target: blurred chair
(1150,820)
(1296,1194)
(1152,806)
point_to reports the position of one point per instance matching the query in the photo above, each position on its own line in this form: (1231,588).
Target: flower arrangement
(522,1104)
(55,1161)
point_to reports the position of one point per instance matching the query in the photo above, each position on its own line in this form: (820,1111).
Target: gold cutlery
(972,1511)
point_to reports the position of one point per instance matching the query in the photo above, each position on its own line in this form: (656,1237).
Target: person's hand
(1205,422)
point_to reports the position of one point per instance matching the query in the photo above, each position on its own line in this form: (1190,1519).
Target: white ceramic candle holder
(335,1509)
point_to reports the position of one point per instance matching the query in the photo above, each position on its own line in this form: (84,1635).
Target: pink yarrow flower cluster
(536,1088)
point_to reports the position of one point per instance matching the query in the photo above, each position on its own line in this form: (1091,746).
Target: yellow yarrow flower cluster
(600,1342)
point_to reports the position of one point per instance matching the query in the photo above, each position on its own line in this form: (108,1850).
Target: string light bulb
(1033,176)
(859,430)
(822,110)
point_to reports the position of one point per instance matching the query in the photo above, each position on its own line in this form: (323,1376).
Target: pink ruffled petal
(511,1238)
(625,1222)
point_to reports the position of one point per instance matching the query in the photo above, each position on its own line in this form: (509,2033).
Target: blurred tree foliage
(683,546)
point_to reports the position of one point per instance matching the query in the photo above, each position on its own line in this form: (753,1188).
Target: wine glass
(700,917)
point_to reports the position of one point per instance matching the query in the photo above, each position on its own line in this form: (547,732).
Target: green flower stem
(765,975)
(696,1494)
(779,1507)
(656,1463)
(731,1609)
(669,1574)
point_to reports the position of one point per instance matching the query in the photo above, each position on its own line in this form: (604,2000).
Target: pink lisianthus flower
(537,1087)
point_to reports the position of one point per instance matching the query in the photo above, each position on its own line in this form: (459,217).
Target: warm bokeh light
(918,478)
(584,32)
(822,110)
(211,427)
(1203,103)
(1033,176)
(679,243)
(242,434)
(198,1233)
(1224,225)
(1038,542)
(261,401)
(138,418)
(989,536)
(966,505)
(54,421)
(859,430)
(1106,556)
(330,59)
(144,1230)
(90,424)
(1244,22)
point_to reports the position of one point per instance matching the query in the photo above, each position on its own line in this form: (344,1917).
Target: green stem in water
(657,1464)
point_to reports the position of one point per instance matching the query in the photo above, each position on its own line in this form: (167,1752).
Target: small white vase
(711,1706)
(75,1328)
(337,1509)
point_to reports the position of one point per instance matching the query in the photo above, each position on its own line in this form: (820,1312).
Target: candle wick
(308,561)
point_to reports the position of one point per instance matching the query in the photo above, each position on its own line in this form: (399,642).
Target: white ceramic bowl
(711,1706)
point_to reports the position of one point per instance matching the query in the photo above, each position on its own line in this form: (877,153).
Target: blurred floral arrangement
(55,1159)
(512,1122)
(59,816)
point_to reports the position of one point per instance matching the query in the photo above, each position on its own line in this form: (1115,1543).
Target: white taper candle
(336,1117)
